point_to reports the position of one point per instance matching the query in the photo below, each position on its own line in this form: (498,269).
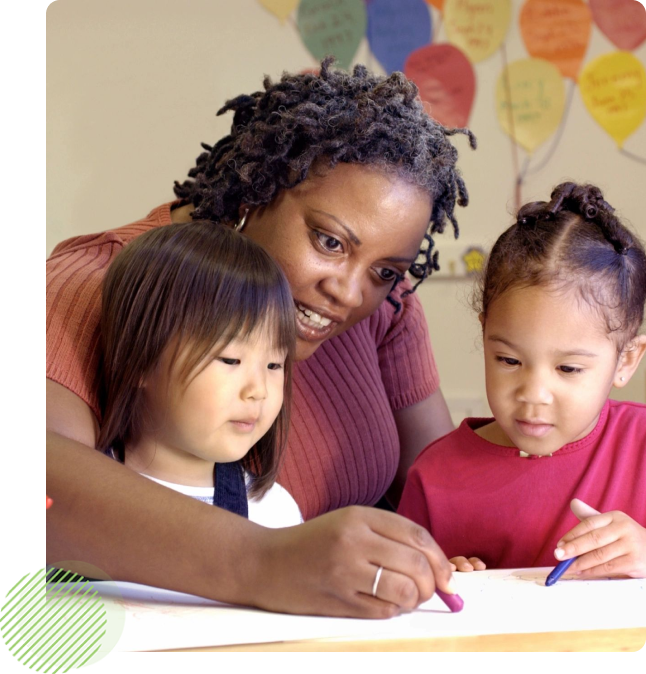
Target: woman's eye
(275,366)
(507,361)
(570,369)
(329,242)
(386,274)
(229,361)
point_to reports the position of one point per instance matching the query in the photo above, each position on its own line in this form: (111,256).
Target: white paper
(495,602)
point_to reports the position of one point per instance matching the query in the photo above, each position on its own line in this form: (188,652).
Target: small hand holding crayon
(467,564)
(606,544)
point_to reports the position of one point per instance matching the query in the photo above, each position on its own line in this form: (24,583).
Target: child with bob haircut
(198,335)
(561,303)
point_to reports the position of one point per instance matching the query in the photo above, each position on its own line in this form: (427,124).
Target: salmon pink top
(343,446)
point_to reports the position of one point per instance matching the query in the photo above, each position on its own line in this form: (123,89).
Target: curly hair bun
(587,201)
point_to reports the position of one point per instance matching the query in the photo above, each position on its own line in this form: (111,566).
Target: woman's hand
(328,565)
(607,544)
(464,564)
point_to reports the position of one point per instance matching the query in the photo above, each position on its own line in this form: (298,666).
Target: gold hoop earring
(239,226)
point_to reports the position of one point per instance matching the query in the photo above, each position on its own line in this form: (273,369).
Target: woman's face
(341,237)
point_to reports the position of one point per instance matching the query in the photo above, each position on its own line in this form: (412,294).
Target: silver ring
(376,583)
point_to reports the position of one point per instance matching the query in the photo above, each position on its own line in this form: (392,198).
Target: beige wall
(133,87)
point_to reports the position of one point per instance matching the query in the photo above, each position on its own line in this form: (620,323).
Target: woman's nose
(344,287)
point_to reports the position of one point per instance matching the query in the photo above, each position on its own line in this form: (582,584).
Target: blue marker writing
(558,571)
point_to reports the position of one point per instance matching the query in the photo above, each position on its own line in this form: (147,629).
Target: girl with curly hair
(561,305)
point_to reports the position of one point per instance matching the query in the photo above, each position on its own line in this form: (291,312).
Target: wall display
(332,27)
(557,31)
(446,81)
(478,27)
(280,8)
(531,97)
(397,29)
(623,22)
(613,88)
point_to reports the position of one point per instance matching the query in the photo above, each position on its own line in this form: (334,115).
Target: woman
(338,177)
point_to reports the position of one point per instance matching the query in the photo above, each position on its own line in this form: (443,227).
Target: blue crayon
(558,571)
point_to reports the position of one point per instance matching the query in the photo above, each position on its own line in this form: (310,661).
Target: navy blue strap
(230,489)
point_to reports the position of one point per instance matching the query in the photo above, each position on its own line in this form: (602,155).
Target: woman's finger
(374,607)
(409,549)
(477,563)
(393,588)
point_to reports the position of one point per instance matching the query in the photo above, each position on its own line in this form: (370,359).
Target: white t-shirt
(276,509)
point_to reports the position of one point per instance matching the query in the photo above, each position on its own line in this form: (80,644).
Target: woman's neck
(182,214)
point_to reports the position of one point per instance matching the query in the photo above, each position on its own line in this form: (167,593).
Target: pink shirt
(483,500)
(343,444)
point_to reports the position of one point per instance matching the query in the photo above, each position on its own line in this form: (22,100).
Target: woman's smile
(314,326)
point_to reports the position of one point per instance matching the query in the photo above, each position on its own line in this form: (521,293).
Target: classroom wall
(133,87)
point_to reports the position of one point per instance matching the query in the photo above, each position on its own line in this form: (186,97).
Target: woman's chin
(305,348)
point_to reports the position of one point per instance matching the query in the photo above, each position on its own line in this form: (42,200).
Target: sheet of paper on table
(495,602)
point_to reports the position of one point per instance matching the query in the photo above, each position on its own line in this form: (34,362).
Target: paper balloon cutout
(477,27)
(613,88)
(280,8)
(557,31)
(446,81)
(530,99)
(395,29)
(332,28)
(623,22)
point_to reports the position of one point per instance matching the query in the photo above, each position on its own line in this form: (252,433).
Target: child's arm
(607,544)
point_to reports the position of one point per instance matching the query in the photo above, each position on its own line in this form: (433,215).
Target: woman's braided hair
(574,240)
(279,133)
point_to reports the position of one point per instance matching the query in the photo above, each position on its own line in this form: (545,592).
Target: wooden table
(623,640)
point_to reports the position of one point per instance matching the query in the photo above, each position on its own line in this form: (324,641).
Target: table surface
(626,640)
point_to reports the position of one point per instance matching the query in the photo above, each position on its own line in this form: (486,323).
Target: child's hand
(464,564)
(607,544)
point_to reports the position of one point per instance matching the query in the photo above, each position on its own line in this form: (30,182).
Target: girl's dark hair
(194,286)
(279,133)
(574,240)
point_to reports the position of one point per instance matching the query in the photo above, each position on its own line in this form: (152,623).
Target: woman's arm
(417,426)
(136,530)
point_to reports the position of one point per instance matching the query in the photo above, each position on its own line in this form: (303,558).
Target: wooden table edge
(619,640)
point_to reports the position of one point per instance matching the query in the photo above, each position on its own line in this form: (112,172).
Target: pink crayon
(49,501)
(453,601)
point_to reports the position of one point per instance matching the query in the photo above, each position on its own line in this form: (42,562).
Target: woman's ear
(629,360)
